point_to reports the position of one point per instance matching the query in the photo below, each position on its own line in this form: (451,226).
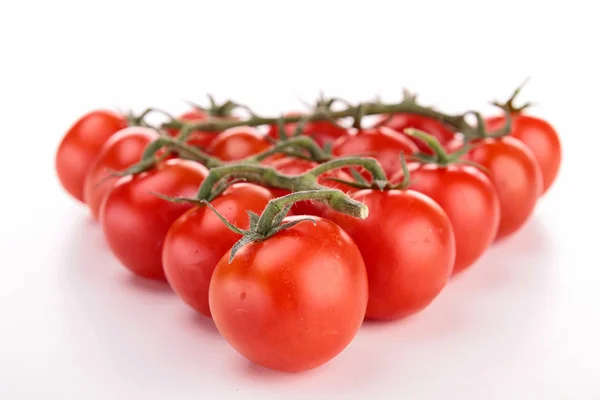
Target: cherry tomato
(135,221)
(237,143)
(80,147)
(516,176)
(121,151)
(408,246)
(399,122)
(198,239)
(322,132)
(200,139)
(296,166)
(469,199)
(383,144)
(540,137)
(294,301)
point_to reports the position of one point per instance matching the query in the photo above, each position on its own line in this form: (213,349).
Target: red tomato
(135,221)
(289,128)
(540,137)
(296,166)
(516,176)
(469,199)
(293,301)
(383,144)
(408,246)
(121,151)
(322,132)
(200,139)
(238,143)
(399,122)
(198,239)
(80,147)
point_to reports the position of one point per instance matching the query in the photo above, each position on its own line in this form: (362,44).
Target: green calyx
(510,106)
(215,109)
(270,222)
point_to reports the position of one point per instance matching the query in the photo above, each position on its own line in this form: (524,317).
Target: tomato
(540,137)
(296,166)
(407,242)
(135,221)
(383,144)
(289,127)
(516,176)
(322,132)
(198,239)
(469,199)
(399,122)
(121,151)
(80,147)
(294,301)
(238,143)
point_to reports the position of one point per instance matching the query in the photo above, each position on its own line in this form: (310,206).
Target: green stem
(251,172)
(439,152)
(152,148)
(457,122)
(370,164)
(191,152)
(334,198)
(302,142)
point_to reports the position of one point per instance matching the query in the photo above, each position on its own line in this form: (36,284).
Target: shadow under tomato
(354,369)
(513,279)
(520,260)
(133,323)
(200,322)
(147,285)
(532,238)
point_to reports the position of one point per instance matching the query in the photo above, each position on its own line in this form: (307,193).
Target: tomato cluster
(293,295)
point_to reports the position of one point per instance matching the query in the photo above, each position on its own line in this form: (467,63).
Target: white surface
(521,324)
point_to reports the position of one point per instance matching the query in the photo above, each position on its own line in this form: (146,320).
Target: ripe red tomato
(469,199)
(516,176)
(383,144)
(121,151)
(238,143)
(200,139)
(408,246)
(540,137)
(198,239)
(135,221)
(293,301)
(296,166)
(80,147)
(399,122)
(322,132)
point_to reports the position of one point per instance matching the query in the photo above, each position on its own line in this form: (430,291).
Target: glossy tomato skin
(135,221)
(383,144)
(322,132)
(516,176)
(198,239)
(469,199)
(121,151)
(200,139)
(296,166)
(401,121)
(237,143)
(408,246)
(293,301)
(80,147)
(540,137)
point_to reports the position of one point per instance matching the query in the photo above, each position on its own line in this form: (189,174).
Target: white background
(521,324)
